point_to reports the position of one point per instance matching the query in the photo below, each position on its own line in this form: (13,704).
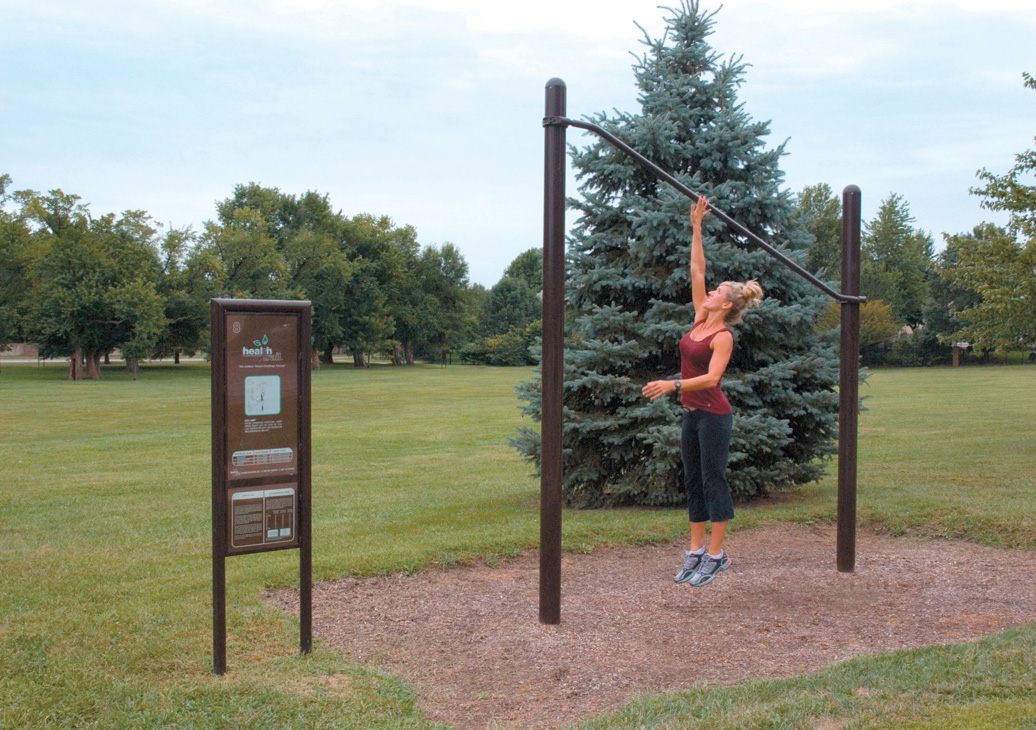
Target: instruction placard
(262,393)
(261,518)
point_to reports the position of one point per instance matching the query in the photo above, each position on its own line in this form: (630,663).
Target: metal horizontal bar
(666,177)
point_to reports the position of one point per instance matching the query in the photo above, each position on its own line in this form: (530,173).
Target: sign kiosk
(260,445)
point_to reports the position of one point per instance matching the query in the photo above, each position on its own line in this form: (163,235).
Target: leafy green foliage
(528,266)
(1010,193)
(630,297)
(999,264)
(510,315)
(14,248)
(512,302)
(91,282)
(821,215)
(187,284)
(82,287)
(512,348)
(877,323)
(1001,270)
(896,261)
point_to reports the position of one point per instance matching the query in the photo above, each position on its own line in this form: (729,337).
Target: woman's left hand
(657,388)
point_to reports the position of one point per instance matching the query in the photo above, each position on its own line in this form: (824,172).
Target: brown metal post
(848,384)
(552,368)
(305,367)
(219,504)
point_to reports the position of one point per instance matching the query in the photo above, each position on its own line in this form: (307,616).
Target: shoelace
(711,565)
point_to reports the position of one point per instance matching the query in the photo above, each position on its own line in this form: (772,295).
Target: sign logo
(260,349)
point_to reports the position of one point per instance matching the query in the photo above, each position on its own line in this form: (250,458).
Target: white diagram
(262,395)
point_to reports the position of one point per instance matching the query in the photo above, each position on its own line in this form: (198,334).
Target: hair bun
(753,293)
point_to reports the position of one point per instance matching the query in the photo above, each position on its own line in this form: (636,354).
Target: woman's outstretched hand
(657,388)
(699,211)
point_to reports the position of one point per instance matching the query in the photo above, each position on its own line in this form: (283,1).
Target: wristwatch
(677,384)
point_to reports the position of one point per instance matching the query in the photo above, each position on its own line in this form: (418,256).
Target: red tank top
(694,361)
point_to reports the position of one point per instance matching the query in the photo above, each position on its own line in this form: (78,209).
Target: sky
(429,111)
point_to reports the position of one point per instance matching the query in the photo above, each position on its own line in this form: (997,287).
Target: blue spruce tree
(629,293)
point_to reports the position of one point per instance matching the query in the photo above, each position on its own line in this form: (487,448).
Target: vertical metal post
(304,368)
(219,614)
(552,369)
(848,384)
(219,502)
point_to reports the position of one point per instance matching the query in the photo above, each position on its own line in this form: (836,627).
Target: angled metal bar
(555,121)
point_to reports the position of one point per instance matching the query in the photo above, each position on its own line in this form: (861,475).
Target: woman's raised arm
(698,292)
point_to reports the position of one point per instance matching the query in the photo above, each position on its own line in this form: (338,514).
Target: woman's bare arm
(698,292)
(722,348)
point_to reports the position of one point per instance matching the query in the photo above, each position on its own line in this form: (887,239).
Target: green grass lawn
(105,547)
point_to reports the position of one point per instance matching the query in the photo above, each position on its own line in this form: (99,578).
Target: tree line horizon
(79,286)
(70,282)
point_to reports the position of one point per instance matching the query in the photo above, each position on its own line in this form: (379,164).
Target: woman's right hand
(699,211)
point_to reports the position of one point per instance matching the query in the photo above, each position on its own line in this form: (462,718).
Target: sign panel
(262,395)
(262,518)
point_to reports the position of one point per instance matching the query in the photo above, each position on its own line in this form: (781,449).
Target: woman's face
(717,299)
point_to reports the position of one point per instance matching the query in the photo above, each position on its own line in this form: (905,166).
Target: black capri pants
(705,447)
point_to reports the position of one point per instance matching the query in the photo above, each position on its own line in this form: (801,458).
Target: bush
(510,349)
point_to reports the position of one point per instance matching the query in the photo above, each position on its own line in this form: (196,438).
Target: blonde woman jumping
(707,419)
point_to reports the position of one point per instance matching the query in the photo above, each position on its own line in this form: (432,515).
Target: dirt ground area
(469,638)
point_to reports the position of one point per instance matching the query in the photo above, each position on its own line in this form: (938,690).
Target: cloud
(429,110)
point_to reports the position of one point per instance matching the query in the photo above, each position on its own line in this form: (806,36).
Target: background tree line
(81,286)
(980,289)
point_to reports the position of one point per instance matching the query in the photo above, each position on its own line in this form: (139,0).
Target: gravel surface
(469,638)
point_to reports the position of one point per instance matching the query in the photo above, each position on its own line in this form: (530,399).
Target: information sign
(260,444)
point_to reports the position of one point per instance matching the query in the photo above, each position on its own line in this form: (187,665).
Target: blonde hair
(742,297)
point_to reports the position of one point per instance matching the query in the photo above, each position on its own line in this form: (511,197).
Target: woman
(707,419)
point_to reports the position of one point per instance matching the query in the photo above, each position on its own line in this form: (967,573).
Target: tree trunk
(107,359)
(359,360)
(314,359)
(329,356)
(394,354)
(176,357)
(75,365)
(133,366)
(93,365)
(408,353)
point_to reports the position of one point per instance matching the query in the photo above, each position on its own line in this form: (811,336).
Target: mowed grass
(105,547)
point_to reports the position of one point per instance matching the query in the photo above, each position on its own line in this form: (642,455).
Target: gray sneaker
(709,569)
(690,566)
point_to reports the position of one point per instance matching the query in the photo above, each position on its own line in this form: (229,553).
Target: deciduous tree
(14,248)
(999,264)
(92,282)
